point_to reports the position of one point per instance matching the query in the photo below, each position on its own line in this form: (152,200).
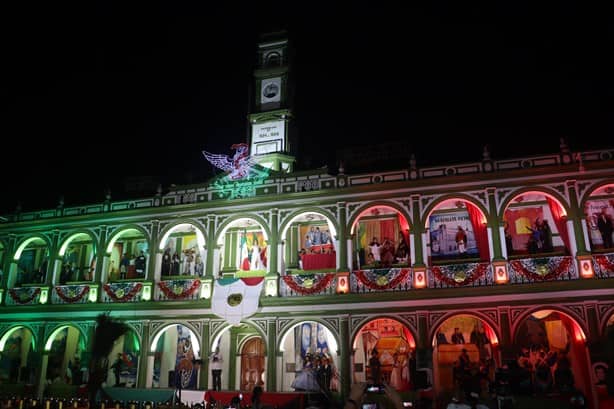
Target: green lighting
(237,189)
(93,295)
(44,296)
(52,337)
(146,292)
(7,336)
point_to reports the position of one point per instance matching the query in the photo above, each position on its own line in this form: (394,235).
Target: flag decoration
(236,298)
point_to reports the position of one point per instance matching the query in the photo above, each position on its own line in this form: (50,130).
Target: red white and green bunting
(383,279)
(307,284)
(179,289)
(236,298)
(72,293)
(122,292)
(544,269)
(458,275)
(604,265)
(25,295)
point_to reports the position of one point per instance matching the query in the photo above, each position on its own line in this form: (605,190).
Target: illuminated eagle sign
(238,167)
(243,174)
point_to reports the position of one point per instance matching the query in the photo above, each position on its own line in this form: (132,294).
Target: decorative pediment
(266,215)
(262,324)
(334,322)
(137,326)
(197,325)
(579,309)
(219,220)
(215,325)
(411,319)
(351,209)
(282,323)
(493,314)
(434,317)
(357,321)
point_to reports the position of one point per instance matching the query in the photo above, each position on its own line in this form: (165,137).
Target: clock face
(271,90)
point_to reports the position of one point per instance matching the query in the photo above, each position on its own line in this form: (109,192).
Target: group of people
(542,370)
(129,266)
(191,265)
(317,241)
(316,375)
(385,254)
(540,239)
(403,370)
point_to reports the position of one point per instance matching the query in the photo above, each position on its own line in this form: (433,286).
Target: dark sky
(94,92)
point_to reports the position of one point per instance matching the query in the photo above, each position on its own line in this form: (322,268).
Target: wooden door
(252,364)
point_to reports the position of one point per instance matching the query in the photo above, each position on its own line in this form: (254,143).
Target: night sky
(95,92)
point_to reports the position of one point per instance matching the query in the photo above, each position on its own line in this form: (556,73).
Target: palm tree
(106,333)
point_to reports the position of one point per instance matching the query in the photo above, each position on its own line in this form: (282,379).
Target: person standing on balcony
(461,241)
(604,224)
(216,369)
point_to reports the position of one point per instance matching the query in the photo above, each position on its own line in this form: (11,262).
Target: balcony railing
(381,279)
(603,264)
(300,283)
(174,290)
(71,294)
(535,270)
(297,285)
(460,275)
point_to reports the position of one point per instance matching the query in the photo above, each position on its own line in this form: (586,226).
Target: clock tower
(270,140)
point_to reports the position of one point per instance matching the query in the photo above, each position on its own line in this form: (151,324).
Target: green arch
(178,222)
(263,224)
(156,335)
(413,331)
(541,189)
(24,243)
(313,209)
(11,330)
(223,328)
(122,229)
(73,234)
(587,195)
(58,329)
(299,321)
(475,314)
(375,203)
(460,196)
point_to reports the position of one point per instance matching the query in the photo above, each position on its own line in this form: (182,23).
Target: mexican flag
(236,298)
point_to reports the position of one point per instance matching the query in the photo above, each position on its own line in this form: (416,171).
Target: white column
(490,244)
(281,265)
(426,248)
(158,268)
(149,373)
(336,244)
(587,240)
(503,242)
(105,273)
(412,248)
(57,267)
(349,254)
(42,375)
(572,238)
(216,262)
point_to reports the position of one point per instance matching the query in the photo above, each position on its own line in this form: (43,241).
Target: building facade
(273,265)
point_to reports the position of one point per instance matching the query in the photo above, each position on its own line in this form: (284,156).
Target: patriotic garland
(73,295)
(308,284)
(461,275)
(549,273)
(604,263)
(24,295)
(382,279)
(119,294)
(179,288)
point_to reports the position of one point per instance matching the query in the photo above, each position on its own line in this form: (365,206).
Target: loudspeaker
(171,379)
(421,381)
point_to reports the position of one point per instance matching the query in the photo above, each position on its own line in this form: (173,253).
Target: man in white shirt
(216,369)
